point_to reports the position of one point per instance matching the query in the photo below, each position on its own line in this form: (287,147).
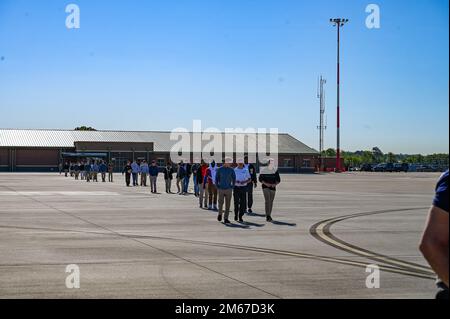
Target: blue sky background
(157,65)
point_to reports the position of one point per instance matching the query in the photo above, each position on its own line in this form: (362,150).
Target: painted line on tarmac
(189,261)
(322,232)
(57,193)
(401,270)
(296,254)
(342,261)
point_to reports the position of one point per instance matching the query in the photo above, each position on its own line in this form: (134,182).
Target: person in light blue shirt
(135,170)
(225,181)
(144,172)
(94,169)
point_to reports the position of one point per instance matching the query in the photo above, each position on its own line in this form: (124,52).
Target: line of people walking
(88,170)
(215,185)
(132,171)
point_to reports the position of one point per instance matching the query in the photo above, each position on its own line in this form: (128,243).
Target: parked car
(384,167)
(366,168)
(424,168)
(436,168)
(380,167)
(401,167)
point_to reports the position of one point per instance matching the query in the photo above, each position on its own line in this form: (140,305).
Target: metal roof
(29,138)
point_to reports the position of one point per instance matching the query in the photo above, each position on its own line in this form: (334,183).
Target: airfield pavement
(129,243)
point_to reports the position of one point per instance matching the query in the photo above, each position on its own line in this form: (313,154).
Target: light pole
(321,127)
(338,22)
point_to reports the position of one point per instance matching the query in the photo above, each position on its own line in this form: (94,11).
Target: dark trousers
(240,200)
(196,186)
(250,195)
(127,178)
(153,183)
(186,184)
(135,179)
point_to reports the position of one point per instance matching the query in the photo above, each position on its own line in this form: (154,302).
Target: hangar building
(31,150)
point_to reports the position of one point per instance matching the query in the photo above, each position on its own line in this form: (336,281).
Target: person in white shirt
(240,190)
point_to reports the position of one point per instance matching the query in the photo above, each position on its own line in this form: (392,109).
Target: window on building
(161,162)
(306,163)
(287,162)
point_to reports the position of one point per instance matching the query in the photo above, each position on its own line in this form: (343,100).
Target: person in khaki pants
(144,172)
(210,186)
(225,181)
(269,178)
(168,176)
(110,172)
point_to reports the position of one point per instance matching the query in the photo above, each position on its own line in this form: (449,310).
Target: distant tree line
(85,128)
(375,156)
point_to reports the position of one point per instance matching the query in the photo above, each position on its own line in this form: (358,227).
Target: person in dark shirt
(269,178)
(252,184)
(76,170)
(202,185)
(180,177)
(153,171)
(87,171)
(187,171)
(435,243)
(103,168)
(66,168)
(82,170)
(168,176)
(127,171)
(194,169)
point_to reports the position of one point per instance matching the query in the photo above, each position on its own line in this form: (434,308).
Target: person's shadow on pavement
(256,215)
(279,223)
(231,225)
(251,224)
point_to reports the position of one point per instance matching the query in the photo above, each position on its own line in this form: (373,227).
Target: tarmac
(129,243)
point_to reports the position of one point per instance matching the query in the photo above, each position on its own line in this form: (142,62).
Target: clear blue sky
(157,65)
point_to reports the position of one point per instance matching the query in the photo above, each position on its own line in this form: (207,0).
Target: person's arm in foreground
(434,244)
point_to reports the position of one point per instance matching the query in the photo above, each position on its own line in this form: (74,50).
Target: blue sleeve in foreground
(441,197)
